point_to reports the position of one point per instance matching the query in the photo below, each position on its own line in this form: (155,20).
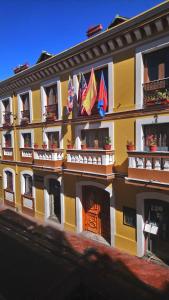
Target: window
(53,139)
(8,140)
(94,138)
(27,140)
(51,102)
(28,184)
(51,93)
(161,134)
(156,65)
(97,73)
(129,216)
(9,181)
(6,113)
(25,113)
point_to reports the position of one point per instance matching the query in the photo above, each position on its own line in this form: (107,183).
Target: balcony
(9,197)
(48,158)
(7,153)
(156,92)
(25,117)
(28,204)
(26,155)
(51,112)
(150,169)
(7,119)
(95,163)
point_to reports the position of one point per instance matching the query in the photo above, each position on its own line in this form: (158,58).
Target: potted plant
(44,145)
(69,144)
(130,146)
(35,146)
(83,144)
(26,145)
(152,143)
(107,145)
(54,146)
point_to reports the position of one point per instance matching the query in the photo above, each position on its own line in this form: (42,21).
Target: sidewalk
(85,266)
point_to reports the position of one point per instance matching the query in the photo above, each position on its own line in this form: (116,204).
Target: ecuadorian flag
(90,95)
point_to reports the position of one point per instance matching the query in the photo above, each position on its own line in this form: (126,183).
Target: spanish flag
(90,95)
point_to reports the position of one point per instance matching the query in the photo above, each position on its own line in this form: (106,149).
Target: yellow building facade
(121,194)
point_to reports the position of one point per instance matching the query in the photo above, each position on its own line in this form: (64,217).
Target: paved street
(40,262)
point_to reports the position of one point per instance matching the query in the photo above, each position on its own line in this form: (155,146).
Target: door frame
(79,207)
(140,200)
(47,198)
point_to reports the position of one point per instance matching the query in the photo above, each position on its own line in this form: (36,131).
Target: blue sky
(30,26)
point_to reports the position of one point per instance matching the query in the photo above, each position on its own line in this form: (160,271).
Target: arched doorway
(53,190)
(96,211)
(156,230)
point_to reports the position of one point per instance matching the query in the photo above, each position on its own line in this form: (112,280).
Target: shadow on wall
(39,262)
(122,168)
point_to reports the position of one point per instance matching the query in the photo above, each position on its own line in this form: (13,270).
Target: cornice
(139,29)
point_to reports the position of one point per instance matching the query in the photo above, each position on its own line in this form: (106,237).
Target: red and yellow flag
(90,95)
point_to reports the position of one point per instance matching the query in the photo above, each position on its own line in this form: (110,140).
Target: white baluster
(166,165)
(81,159)
(89,161)
(157,164)
(99,161)
(85,159)
(140,163)
(73,158)
(94,160)
(149,163)
(132,162)
(68,157)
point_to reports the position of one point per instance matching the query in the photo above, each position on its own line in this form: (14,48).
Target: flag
(90,94)
(82,91)
(102,99)
(71,95)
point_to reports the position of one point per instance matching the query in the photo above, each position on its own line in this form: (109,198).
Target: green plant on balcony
(69,144)
(107,143)
(130,146)
(83,144)
(152,142)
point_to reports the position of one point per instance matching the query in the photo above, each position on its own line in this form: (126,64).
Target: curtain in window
(53,138)
(95,137)
(6,105)
(51,93)
(9,179)
(27,140)
(8,141)
(160,132)
(28,185)
(25,101)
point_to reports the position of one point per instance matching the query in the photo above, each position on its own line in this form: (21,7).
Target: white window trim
(2,110)
(3,138)
(53,129)
(21,139)
(46,199)
(147,48)
(43,96)
(79,208)
(22,183)
(102,63)
(98,125)
(20,105)
(147,121)
(5,178)
(140,199)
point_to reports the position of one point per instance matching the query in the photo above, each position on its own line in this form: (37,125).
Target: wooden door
(96,211)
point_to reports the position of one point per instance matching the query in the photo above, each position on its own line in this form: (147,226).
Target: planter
(54,146)
(107,147)
(153,148)
(36,146)
(26,146)
(130,147)
(69,146)
(44,146)
(83,147)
